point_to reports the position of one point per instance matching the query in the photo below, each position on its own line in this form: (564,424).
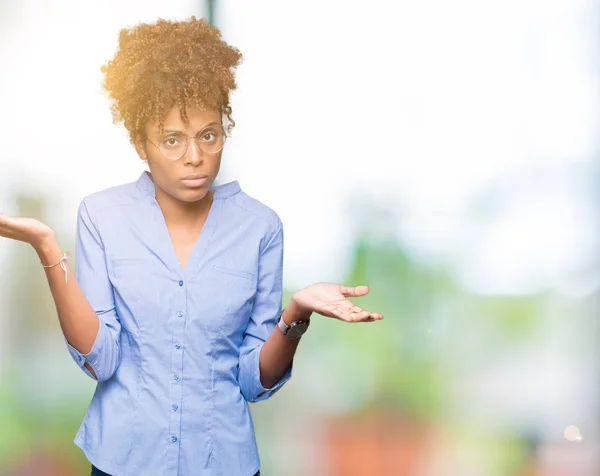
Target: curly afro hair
(169,64)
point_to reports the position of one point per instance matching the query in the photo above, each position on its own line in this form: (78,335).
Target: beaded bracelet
(62,265)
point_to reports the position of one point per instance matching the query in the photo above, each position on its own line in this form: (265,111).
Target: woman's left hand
(330,299)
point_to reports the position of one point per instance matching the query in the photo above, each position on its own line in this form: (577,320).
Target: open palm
(331,300)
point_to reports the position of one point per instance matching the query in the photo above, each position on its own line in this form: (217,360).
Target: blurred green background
(464,194)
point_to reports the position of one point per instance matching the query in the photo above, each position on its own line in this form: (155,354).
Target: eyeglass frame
(186,144)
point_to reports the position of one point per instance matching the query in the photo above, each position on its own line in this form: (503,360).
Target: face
(170,175)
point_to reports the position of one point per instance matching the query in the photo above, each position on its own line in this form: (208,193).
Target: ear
(140,146)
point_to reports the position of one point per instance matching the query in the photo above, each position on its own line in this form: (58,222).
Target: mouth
(196,180)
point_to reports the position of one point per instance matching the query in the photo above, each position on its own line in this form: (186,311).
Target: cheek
(215,165)
(161,169)
(163,177)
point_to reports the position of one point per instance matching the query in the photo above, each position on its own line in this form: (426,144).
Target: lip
(196,180)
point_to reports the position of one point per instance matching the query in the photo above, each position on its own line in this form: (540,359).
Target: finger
(358,316)
(354,290)
(342,314)
(353,313)
(373,318)
(354,309)
(366,316)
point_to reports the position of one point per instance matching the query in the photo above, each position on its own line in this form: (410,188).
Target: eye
(171,141)
(209,137)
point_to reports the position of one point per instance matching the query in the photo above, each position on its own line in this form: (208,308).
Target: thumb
(355,290)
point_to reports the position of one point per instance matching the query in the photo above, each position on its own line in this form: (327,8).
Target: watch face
(297,330)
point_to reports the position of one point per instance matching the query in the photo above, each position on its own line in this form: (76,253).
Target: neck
(180,213)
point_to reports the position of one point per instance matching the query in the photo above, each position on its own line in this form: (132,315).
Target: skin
(185,210)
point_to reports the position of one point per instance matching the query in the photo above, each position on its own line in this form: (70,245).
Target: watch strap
(284,327)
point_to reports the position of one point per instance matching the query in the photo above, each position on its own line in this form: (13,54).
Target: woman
(176,305)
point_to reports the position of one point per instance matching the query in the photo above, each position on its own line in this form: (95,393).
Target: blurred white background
(466,130)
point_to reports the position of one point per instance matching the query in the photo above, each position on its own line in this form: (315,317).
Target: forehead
(198,119)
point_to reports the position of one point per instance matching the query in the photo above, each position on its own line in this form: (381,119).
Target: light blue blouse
(177,351)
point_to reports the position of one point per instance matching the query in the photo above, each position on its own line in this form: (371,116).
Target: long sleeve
(92,276)
(266,309)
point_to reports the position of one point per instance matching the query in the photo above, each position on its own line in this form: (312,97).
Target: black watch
(294,330)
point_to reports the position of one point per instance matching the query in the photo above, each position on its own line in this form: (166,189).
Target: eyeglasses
(174,145)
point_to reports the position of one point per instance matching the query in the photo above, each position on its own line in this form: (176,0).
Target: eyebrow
(170,131)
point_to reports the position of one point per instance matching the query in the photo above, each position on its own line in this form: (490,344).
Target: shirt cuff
(92,356)
(261,392)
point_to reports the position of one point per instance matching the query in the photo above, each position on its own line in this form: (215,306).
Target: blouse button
(173,439)
(180,283)
(175,377)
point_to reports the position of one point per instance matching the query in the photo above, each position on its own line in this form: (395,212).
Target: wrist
(295,312)
(48,249)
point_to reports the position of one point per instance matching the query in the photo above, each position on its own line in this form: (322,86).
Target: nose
(193,154)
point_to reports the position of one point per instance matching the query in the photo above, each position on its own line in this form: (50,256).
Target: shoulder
(258,211)
(103,200)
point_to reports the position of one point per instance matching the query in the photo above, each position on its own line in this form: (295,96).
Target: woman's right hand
(28,230)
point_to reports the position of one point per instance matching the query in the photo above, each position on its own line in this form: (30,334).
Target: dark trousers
(97,472)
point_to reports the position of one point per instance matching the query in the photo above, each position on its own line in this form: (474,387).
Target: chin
(192,195)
